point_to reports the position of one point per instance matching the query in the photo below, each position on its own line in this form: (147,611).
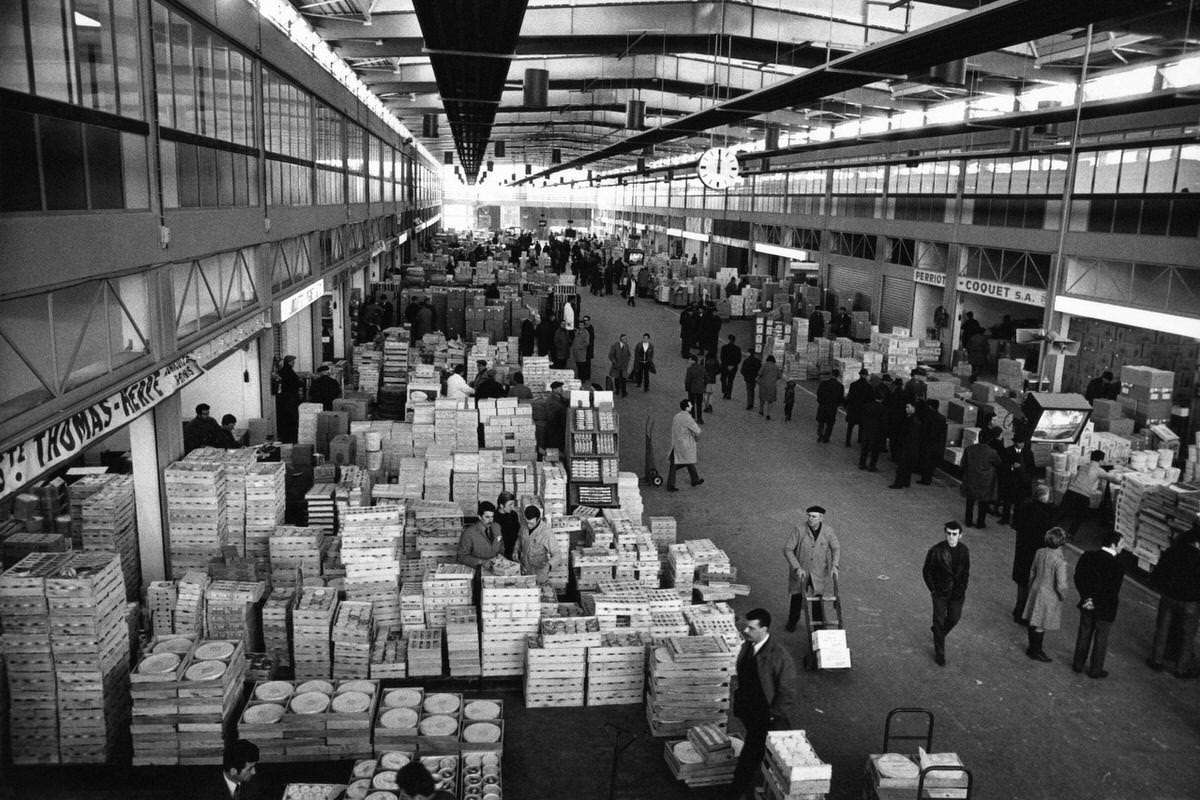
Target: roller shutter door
(896,305)
(853,287)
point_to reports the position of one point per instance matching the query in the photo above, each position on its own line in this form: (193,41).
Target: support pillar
(155,440)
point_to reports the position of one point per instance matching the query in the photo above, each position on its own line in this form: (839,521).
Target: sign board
(293,304)
(224,342)
(929,278)
(1003,291)
(70,437)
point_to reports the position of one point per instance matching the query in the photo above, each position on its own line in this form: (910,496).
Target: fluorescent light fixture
(84,21)
(695,237)
(1183,73)
(1123,315)
(1139,80)
(793,253)
(676,232)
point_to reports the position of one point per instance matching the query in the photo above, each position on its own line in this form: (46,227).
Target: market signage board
(69,437)
(1003,291)
(929,278)
(293,304)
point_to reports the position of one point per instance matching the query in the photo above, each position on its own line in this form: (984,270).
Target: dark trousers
(904,471)
(753,750)
(824,431)
(619,383)
(850,426)
(750,394)
(643,379)
(796,609)
(929,462)
(1074,506)
(583,371)
(868,454)
(728,375)
(287,417)
(1093,637)
(685,348)
(981,517)
(947,612)
(691,468)
(1171,613)
(697,407)
(1022,599)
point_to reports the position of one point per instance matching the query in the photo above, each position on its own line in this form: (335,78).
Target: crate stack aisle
(592,454)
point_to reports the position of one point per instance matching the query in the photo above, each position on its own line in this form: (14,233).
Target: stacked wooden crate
(78,492)
(372,541)
(265,485)
(89,638)
(462,641)
(792,770)
(616,669)
(445,586)
(237,464)
(319,503)
(277,624)
(196,513)
(161,599)
(438,525)
(231,611)
(353,632)
(510,609)
(714,619)
(312,626)
(412,606)
(109,523)
(210,691)
(397,717)
(554,673)
(465,481)
(154,694)
(189,602)
(28,658)
(389,653)
(707,757)
(295,554)
(424,654)
(348,723)
(688,684)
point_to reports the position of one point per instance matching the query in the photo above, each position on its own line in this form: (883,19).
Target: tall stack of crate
(312,628)
(353,633)
(462,641)
(78,492)
(465,481)
(445,586)
(372,545)
(437,526)
(196,513)
(231,611)
(210,690)
(277,624)
(28,658)
(688,684)
(510,610)
(89,638)
(554,673)
(265,486)
(293,549)
(616,669)
(110,524)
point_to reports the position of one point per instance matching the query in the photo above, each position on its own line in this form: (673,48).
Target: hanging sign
(293,304)
(929,278)
(71,436)
(1003,291)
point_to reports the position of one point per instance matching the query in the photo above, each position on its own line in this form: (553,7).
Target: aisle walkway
(1136,733)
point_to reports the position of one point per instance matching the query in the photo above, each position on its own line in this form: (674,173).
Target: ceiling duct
(498,149)
(771,140)
(555,156)
(429,126)
(953,73)
(537,88)
(635,115)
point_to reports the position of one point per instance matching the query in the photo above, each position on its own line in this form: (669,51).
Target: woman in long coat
(1047,588)
(768,383)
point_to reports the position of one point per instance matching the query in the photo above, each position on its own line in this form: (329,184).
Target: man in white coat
(684,433)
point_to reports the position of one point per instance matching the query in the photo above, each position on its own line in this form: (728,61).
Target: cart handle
(945,768)
(888,736)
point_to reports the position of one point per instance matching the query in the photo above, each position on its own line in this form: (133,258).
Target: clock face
(718,168)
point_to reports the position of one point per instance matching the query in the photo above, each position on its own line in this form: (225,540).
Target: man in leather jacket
(947,571)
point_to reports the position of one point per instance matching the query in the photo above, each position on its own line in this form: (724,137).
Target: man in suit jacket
(238,769)
(933,441)
(858,395)
(873,433)
(764,694)
(1017,472)
(947,571)
(731,357)
(830,395)
(643,362)
(1098,578)
(619,356)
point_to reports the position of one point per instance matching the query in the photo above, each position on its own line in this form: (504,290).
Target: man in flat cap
(813,553)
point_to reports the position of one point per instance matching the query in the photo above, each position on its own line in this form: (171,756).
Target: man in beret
(813,553)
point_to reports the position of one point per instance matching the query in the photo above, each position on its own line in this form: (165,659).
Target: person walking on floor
(580,346)
(712,368)
(684,433)
(1177,574)
(1098,579)
(1048,587)
(1031,521)
(561,351)
(906,447)
(643,363)
(813,554)
(980,481)
(750,369)
(872,433)
(858,395)
(789,399)
(830,395)
(688,326)
(619,356)
(731,358)
(694,383)
(1084,485)
(932,449)
(947,572)
(768,386)
(764,695)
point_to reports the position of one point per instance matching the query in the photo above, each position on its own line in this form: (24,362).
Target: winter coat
(694,380)
(536,551)
(581,344)
(1048,586)
(873,418)
(1031,520)
(940,576)
(618,359)
(1098,576)
(684,433)
(562,345)
(812,559)
(751,367)
(980,479)
(768,381)
(712,368)
(643,359)
(858,395)
(830,394)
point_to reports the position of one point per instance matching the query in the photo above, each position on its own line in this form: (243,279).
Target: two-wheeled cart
(823,613)
(651,474)
(952,781)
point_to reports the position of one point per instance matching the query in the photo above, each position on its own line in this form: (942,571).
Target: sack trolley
(651,474)
(921,732)
(828,605)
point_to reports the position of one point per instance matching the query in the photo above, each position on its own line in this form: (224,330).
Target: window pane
(224,178)
(239,115)
(170,174)
(1133,170)
(239,179)
(183,284)
(1020,176)
(18,162)
(1001,172)
(129,79)
(14,66)
(93,38)
(162,65)
(1188,179)
(206,109)
(1108,166)
(189,187)
(221,96)
(70,308)
(206,171)
(133,164)
(104,167)
(183,85)
(1039,175)
(1160,172)
(1084,172)
(52,67)
(1185,215)
(62,163)
(1155,213)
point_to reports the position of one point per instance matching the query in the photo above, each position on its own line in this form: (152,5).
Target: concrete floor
(1027,730)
